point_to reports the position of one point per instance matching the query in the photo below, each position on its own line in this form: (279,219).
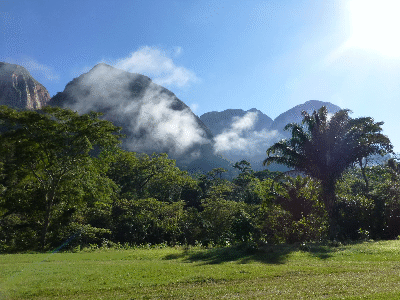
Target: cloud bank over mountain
(245,137)
(241,139)
(241,135)
(36,68)
(153,117)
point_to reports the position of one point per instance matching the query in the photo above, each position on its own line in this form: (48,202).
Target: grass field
(369,270)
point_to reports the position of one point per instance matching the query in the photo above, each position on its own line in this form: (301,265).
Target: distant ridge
(262,134)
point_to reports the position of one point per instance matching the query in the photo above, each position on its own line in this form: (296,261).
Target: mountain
(152,117)
(246,135)
(217,122)
(294,115)
(18,89)
(155,120)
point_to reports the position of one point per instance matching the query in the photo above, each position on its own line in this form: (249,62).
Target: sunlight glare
(375,26)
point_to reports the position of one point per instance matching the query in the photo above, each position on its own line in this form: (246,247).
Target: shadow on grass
(269,254)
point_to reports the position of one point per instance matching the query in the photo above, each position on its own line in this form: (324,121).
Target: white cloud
(246,122)
(76,72)
(167,125)
(155,64)
(194,107)
(149,116)
(177,51)
(241,142)
(36,68)
(232,139)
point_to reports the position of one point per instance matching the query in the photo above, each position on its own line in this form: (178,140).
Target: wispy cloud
(177,51)
(233,139)
(156,64)
(240,139)
(37,68)
(242,142)
(194,107)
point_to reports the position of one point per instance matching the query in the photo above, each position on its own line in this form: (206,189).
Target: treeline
(65,180)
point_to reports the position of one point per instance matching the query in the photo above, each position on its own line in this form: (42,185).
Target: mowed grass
(368,270)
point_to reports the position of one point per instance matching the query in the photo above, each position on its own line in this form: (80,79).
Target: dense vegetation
(64,180)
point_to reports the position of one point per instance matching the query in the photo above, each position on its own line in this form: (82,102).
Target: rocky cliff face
(19,89)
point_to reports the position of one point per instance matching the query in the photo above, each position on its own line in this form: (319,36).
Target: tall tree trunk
(329,198)
(363,173)
(49,205)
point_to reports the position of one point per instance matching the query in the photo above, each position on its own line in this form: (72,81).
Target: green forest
(65,182)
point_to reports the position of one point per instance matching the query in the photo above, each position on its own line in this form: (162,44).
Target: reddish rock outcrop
(19,89)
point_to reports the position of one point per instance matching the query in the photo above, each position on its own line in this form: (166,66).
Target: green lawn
(369,270)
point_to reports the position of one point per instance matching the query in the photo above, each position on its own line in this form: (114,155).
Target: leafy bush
(147,221)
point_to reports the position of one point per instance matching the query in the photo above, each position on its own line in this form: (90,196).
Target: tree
(141,176)
(216,172)
(52,147)
(245,183)
(394,165)
(148,221)
(246,174)
(324,148)
(243,166)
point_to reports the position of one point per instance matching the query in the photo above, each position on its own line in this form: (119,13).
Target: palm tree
(324,148)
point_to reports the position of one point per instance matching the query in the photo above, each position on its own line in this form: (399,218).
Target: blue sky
(215,55)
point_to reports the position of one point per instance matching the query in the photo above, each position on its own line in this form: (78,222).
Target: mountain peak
(294,115)
(19,89)
(102,65)
(151,116)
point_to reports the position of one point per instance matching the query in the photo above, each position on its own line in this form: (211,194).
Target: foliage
(324,148)
(292,211)
(266,174)
(44,152)
(147,221)
(375,210)
(226,221)
(65,183)
(142,176)
(300,197)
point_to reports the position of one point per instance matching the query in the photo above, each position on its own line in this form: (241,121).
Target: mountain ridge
(155,120)
(255,130)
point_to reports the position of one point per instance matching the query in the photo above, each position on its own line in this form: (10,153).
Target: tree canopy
(49,148)
(324,148)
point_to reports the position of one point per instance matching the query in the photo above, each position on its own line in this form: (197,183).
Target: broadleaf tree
(52,146)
